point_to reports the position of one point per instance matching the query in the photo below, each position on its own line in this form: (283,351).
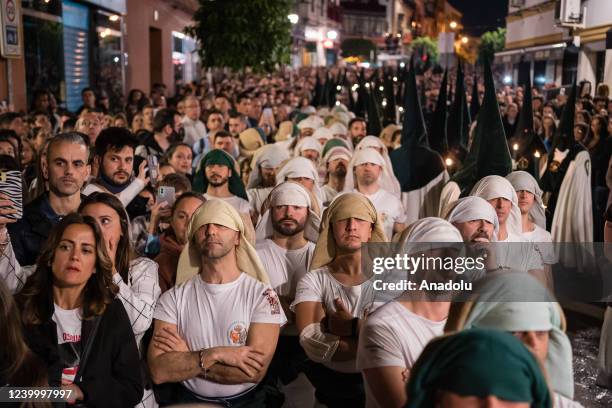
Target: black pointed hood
(459,116)
(474,103)
(414,163)
(437,135)
(489,153)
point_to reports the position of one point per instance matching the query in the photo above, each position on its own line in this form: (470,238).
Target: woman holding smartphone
(73,321)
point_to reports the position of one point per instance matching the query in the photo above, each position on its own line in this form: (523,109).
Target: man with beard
(66,171)
(334,297)
(215,331)
(336,164)
(166,126)
(369,175)
(285,244)
(393,337)
(357,130)
(218,177)
(115,156)
(264,165)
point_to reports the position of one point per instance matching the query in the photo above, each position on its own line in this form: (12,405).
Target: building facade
(109,45)
(316,32)
(534,36)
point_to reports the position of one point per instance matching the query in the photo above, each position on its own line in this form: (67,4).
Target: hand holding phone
(11,206)
(153,165)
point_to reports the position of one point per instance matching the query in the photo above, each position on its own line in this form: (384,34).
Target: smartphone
(11,186)
(165,193)
(153,165)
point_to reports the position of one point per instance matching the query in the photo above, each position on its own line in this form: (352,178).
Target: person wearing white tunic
(513,251)
(285,243)
(336,165)
(369,175)
(215,332)
(376,143)
(393,337)
(310,148)
(264,166)
(333,299)
(303,171)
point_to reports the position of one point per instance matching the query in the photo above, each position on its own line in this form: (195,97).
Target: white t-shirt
(240,204)
(285,267)
(213,315)
(257,196)
(319,285)
(389,208)
(68,323)
(328,193)
(393,336)
(542,237)
(516,252)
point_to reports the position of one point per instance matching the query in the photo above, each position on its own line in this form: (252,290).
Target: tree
(243,33)
(426,49)
(490,43)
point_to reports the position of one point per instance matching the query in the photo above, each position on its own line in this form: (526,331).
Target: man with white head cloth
(303,171)
(307,127)
(286,237)
(369,175)
(323,134)
(332,300)
(223,315)
(374,142)
(310,148)
(264,166)
(393,337)
(336,162)
(513,251)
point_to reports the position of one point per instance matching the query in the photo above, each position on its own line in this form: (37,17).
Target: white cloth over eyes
(268,156)
(323,133)
(473,208)
(521,180)
(308,143)
(492,187)
(376,143)
(338,128)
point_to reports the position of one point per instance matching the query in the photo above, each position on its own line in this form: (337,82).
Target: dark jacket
(111,377)
(29,234)
(168,259)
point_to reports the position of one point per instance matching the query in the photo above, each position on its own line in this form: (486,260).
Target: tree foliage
(243,33)
(490,43)
(426,49)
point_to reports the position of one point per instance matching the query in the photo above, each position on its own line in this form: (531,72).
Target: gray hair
(70,137)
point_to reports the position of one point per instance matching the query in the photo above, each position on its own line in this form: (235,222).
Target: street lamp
(453,25)
(293,18)
(464,39)
(332,34)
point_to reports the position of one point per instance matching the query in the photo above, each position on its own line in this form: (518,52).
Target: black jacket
(112,374)
(29,234)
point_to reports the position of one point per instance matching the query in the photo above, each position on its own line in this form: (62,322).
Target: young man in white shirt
(286,239)
(393,337)
(216,331)
(368,174)
(334,297)
(193,126)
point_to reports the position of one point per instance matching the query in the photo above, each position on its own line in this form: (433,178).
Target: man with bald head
(193,126)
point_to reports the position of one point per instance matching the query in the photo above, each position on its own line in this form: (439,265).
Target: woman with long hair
(73,321)
(599,146)
(136,278)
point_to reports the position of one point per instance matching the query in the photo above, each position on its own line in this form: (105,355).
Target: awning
(537,53)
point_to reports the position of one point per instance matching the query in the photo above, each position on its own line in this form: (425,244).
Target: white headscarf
(433,232)
(308,123)
(215,211)
(492,187)
(268,156)
(338,128)
(473,208)
(521,180)
(300,167)
(337,152)
(386,180)
(376,143)
(289,193)
(308,143)
(323,133)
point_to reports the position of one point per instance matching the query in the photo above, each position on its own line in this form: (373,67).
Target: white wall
(599,12)
(533,26)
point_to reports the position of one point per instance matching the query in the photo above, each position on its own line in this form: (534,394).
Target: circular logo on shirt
(237,333)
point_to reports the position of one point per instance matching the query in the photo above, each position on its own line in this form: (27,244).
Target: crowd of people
(209,247)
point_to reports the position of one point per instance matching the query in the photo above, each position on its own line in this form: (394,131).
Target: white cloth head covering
(289,193)
(317,121)
(338,128)
(343,117)
(491,187)
(473,208)
(215,211)
(300,167)
(308,123)
(323,133)
(429,233)
(337,152)
(323,112)
(521,180)
(377,143)
(386,181)
(309,110)
(308,143)
(268,156)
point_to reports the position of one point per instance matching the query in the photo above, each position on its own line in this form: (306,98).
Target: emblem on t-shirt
(237,333)
(272,301)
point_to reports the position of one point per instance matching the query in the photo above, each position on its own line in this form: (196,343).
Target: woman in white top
(137,278)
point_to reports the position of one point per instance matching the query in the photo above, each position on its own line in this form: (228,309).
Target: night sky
(481,15)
